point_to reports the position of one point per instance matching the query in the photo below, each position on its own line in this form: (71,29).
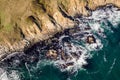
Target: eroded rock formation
(25,22)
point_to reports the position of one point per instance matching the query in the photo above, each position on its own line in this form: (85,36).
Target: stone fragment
(52,54)
(91,39)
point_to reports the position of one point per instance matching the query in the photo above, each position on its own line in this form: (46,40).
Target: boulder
(52,54)
(91,39)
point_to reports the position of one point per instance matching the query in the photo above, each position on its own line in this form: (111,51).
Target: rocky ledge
(26,22)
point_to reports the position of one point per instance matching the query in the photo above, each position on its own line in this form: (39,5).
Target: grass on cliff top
(8,32)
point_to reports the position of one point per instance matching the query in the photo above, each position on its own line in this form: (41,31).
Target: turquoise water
(104,64)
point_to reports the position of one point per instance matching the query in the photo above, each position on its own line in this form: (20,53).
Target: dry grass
(14,15)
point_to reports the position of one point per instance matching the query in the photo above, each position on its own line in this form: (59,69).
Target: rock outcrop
(25,22)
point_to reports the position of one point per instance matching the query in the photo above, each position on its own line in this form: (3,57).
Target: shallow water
(99,61)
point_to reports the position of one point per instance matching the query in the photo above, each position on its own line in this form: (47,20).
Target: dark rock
(70,64)
(91,39)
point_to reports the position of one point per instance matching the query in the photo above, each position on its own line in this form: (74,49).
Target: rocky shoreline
(70,48)
(50,49)
(52,22)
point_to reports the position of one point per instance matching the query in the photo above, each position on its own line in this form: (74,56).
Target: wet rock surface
(61,49)
(68,49)
(51,54)
(22,28)
(91,39)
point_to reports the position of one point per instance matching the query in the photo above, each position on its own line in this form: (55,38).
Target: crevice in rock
(87,7)
(52,19)
(3,57)
(75,5)
(17,28)
(33,19)
(64,13)
(78,16)
(40,4)
(54,22)
(22,34)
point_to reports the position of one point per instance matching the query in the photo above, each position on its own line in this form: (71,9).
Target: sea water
(96,61)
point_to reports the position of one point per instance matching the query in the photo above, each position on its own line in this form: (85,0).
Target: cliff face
(25,22)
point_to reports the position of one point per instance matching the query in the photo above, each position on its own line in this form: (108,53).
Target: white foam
(94,21)
(4,76)
(112,14)
(78,62)
(13,75)
(43,63)
(94,46)
(85,50)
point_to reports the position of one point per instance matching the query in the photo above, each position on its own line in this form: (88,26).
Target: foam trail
(112,66)
(28,70)
(93,72)
(104,57)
